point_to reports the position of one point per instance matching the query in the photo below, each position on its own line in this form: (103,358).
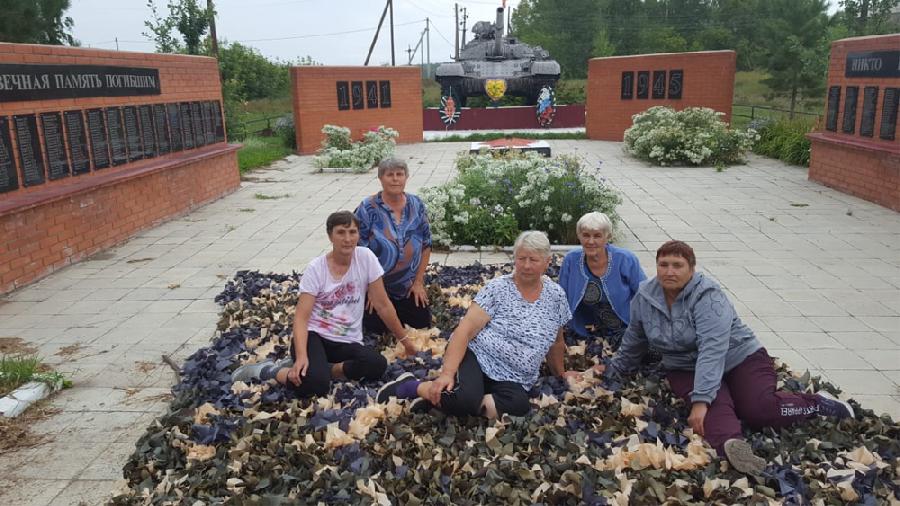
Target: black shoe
(740,455)
(831,406)
(420,406)
(390,388)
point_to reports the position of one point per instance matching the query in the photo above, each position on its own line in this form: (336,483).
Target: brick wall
(50,225)
(867,167)
(708,82)
(316,103)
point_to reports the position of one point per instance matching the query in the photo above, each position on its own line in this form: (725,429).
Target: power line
(324,34)
(426,11)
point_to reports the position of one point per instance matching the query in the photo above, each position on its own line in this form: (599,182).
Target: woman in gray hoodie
(712,360)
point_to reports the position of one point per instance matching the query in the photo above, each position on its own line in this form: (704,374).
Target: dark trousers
(471,387)
(747,395)
(407,312)
(360,362)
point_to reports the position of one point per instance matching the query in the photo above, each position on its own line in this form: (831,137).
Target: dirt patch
(15,346)
(139,260)
(15,433)
(145,367)
(69,351)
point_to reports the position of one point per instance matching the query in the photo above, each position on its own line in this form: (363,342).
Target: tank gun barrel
(498,33)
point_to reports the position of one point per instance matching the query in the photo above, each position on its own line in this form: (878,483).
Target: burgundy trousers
(747,395)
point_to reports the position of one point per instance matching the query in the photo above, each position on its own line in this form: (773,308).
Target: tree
(187,17)
(36,22)
(565,28)
(869,17)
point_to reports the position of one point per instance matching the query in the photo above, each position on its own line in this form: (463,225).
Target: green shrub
(339,151)
(286,131)
(785,139)
(693,136)
(494,197)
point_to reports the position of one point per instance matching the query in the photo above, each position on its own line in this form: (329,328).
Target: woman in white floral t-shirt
(327,340)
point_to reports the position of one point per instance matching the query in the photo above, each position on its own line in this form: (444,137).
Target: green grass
(261,151)
(490,136)
(16,370)
(266,108)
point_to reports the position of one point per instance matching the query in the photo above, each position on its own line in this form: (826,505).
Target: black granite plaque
(132,133)
(175,133)
(659,84)
(889,114)
(870,102)
(849,125)
(77,140)
(218,122)
(159,128)
(385,93)
(343,95)
(356,94)
(676,83)
(372,94)
(54,146)
(834,104)
(9,180)
(209,129)
(187,125)
(148,136)
(643,84)
(197,123)
(873,64)
(627,85)
(42,82)
(117,141)
(28,144)
(96,125)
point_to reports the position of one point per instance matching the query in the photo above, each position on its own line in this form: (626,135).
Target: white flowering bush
(693,136)
(339,151)
(495,197)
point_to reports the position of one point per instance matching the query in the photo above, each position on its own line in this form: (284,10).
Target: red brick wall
(708,82)
(867,167)
(316,103)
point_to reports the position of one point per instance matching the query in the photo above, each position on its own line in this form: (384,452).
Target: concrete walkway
(814,272)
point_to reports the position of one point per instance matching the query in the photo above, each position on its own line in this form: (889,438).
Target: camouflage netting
(584,443)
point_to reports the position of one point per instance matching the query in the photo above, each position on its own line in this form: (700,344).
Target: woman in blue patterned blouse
(494,356)
(393,224)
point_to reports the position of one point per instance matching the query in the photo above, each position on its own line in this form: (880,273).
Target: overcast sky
(316,28)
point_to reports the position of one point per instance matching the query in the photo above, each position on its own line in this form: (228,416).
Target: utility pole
(117,43)
(428,46)
(456,42)
(212,27)
(377,31)
(465,17)
(393,58)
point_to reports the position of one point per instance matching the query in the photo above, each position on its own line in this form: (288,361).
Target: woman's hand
(444,382)
(409,346)
(298,372)
(570,374)
(698,414)
(420,297)
(598,369)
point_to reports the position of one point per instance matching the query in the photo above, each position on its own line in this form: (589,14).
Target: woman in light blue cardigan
(599,280)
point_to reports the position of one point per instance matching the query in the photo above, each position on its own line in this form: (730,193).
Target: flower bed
(339,151)
(583,443)
(693,136)
(494,197)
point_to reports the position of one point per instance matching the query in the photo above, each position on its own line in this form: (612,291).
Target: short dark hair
(677,249)
(342,218)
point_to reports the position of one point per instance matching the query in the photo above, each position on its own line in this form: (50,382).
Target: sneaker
(420,405)
(249,372)
(830,405)
(390,388)
(740,455)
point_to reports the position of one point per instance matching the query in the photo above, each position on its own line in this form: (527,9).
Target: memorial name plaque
(209,129)
(54,145)
(343,95)
(659,84)
(834,103)
(78,146)
(117,140)
(870,102)
(218,122)
(42,82)
(197,123)
(850,109)
(147,135)
(29,148)
(132,133)
(187,125)
(643,84)
(372,94)
(627,85)
(159,128)
(99,143)
(873,64)
(889,114)
(385,93)
(676,83)
(175,127)
(356,93)
(9,180)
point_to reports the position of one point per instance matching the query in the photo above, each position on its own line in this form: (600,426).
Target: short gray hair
(594,221)
(392,164)
(533,240)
